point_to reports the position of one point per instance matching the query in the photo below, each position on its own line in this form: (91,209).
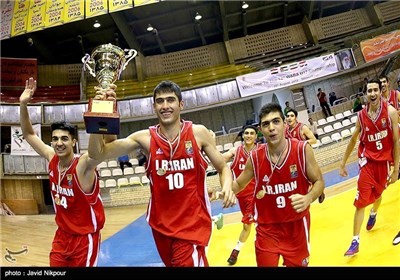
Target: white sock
(372,212)
(357,238)
(239,245)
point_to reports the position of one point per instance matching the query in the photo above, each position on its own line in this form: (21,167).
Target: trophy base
(97,122)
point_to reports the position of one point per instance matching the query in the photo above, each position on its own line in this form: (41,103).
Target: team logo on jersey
(189,147)
(159,151)
(383,122)
(69,178)
(293,171)
(51,173)
(266,179)
(304,262)
(294,134)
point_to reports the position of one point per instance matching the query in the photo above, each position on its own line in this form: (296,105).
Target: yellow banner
(7,11)
(36,16)
(20,17)
(74,10)
(96,8)
(144,2)
(119,5)
(54,13)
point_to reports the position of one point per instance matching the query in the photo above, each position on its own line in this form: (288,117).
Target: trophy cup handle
(87,61)
(131,54)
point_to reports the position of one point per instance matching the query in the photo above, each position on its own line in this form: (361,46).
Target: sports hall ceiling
(176,28)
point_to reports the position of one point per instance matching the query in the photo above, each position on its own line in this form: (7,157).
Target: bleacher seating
(134,161)
(117,172)
(354,119)
(145,180)
(336,136)
(101,165)
(345,133)
(330,119)
(326,140)
(112,163)
(135,180)
(111,183)
(129,171)
(105,173)
(346,122)
(328,128)
(122,182)
(337,125)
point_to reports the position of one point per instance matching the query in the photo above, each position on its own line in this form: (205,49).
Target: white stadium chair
(330,119)
(328,128)
(112,163)
(345,133)
(111,183)
(326,140)
(336,137)
(105,173)
(117,172)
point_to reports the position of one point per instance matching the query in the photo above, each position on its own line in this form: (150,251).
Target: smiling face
(374,94)
(249,136)
(63,143)
(167,107)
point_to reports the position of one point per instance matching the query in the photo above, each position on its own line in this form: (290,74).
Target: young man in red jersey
(179,211)
(75,190)
(239,155)
(288,179)
(378,133)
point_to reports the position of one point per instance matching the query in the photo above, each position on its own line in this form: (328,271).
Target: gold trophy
(106,64)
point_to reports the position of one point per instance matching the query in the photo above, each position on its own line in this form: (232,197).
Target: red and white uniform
(246,196)
(393,99)
(79,217)
(295,132)
(280,229)
(179,209)
(375,152)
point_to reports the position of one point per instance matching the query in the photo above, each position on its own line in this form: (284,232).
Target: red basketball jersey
(376,137)
(393,99)
(295,132)
(237,166)
(279,183)
(179,205)
(76,211)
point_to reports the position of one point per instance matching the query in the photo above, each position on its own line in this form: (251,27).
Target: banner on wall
(286,75)
(7,10)
(95,8)
(36,16)
(20,17)
(19,146)
(380,46)
(15,71)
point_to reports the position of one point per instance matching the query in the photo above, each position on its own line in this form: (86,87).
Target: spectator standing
(324,103)
(287,108)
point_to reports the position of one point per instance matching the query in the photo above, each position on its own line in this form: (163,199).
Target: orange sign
(380,46)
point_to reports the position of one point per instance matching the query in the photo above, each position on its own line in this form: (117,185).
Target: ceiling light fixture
(198,16)
(150,28)
(96,24)
(245,5)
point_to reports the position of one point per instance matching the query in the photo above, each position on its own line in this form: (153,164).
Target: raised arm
(29,134)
